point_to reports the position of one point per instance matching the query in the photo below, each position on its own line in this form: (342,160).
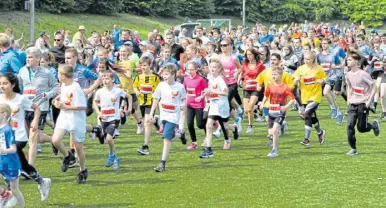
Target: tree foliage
(372,12)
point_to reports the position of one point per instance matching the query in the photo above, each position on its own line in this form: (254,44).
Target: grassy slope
(322,176)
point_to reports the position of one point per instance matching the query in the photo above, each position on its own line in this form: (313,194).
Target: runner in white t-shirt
(106,105)
(219,109)
(9,85)
(72,118)
(171,96)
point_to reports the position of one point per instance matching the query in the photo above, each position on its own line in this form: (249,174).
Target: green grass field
(322,176)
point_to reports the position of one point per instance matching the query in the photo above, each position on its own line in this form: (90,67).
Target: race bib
(109,112)
(251,85)
(309,80)
(191,92)
(274,108)
(377,65)
(169,108)
(360,91)
(326,66)
(213,96)
(227,73)
(15,124)
(29,92)
(146,89)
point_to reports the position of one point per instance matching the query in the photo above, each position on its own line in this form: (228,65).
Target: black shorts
(90,109)
(219,118)
(232,92)
(134,97)
(247,94)
(109,127)
(145,109)
(29,117)
(272,120)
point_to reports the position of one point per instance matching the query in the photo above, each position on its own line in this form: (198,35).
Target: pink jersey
(194,88)
(229,70)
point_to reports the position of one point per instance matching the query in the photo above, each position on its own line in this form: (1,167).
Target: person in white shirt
(219,109)
(72,118)
(171,96)
(106,105)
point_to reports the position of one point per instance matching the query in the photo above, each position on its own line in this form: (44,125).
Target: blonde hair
(5,40)
(218,62)
(66,70)
(7,109)
(108,74)
(277,69)
(193,47)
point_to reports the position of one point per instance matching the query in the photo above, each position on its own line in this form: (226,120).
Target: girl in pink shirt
(194,85)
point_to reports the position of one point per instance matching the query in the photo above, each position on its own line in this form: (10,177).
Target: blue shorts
(10,175)
(169,130)
(266,112)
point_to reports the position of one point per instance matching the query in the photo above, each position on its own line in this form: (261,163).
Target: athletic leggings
(357,115)
(296,92)
(25,166)
(310,119)
(200,120)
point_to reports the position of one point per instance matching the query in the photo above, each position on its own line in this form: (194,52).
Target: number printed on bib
(15,124)
(213,96)
(377,65)
(146,89)
(360,91)
(309,80)
(170,108)
(108,112)
(227,73)
(29,91)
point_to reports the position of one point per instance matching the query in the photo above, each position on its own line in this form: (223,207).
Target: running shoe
(250,130)
(227,145)
(7,195)
(322,136)
(140,128)
(192,146)
(239,126)
(117,163)
(273,154)
(269,143)
(54,150)
(143,150)
(352,152)
(305,142)
(44,188)
(376,127)
(110,159)
(236,133)
(66,161)
(82,177)
(259,118)
(284,127)
(333,113)
(339,118)
(207,154)
(160,168)
(217,133)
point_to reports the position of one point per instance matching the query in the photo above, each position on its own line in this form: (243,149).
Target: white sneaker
(140,128)
(259,118)
(116,132)
(250,130)
(272,154)
(239,127)
(217,133)
(44,188)
(11,202)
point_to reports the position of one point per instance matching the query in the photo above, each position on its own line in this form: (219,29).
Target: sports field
(322,176)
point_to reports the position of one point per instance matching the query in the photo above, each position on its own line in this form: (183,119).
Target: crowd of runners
(219,77)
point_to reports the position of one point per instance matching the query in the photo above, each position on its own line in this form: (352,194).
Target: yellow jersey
(265,78)
(311,89)
(316,42)
(146,85)
(126,83)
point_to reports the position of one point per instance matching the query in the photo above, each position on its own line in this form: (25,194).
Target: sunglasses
(225,45)
(157,39)
(57,39)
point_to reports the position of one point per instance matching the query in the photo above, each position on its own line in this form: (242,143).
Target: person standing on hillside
(80,35)
(59,48)
(126,36)
(9,59)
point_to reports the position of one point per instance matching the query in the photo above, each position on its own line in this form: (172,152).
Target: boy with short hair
(72,119)
(171,96)
(144,86)
(277,94)
(106,105)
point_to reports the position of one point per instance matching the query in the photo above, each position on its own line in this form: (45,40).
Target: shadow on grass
(66,205)
(91,182)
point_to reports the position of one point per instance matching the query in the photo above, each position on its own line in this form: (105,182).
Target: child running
(72,118)
(107,99)
(360,91)
(310,77)
(171,96)
(219,110)
(277,94)
(10,166)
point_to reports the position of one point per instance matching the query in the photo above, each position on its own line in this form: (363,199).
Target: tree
(196,8)
(109,7)
(372,12)
(56,6)
(228,7)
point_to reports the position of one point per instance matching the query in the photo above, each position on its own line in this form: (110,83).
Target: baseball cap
(82,27)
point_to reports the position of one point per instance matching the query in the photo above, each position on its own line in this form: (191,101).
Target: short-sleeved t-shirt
(108,101)
(8,161)
(277,95)
(172,97)
(194,88)
(72,120)
(18,107)
(360,83)
(310,88)
(250,75)
(146,84)
(218,104)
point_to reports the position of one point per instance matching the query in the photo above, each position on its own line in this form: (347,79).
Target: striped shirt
(38,85)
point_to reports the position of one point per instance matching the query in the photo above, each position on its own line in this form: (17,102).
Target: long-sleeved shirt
(84,76)
(9,61)
(39,86)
